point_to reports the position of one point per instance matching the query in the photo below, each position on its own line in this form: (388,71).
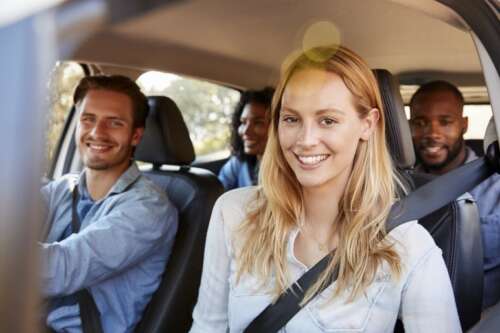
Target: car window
(64,79)
(479,116)
(206,107)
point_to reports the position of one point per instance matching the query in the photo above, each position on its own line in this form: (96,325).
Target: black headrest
(166,138)
(397,127)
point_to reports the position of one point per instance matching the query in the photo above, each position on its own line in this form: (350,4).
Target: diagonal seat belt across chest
(417,204)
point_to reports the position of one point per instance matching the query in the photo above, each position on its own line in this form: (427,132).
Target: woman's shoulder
(235,204)
(235,162)
(232,166)
(412,241)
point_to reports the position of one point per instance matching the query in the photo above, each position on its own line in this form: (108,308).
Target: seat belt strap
(438,192)
(89,313)
(423,201)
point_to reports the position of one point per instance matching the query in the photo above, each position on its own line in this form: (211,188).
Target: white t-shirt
(422,297)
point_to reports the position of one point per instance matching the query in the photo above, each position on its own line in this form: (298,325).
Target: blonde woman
(326,182)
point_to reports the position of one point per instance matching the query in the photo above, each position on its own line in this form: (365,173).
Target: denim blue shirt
(236,173)
(119,254)
(487,196)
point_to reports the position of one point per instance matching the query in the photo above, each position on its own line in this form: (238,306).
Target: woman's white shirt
(422,297)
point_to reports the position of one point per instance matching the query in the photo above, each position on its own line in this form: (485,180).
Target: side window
(206,107)
(479,115)
(64,79)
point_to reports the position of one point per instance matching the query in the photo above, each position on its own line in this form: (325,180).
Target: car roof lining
(245,42)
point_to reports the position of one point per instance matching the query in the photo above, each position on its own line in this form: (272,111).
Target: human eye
(115,123)
(445,122)
(289,119)
(86,119)
(328,121)
(417,123)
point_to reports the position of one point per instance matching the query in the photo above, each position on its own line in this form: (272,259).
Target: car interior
(243,45)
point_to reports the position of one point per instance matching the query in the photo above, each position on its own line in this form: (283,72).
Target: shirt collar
(470,155)
(121,185)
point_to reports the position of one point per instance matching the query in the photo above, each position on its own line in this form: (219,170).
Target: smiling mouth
(98,147)
(432,150)
(250,142)
(311,160)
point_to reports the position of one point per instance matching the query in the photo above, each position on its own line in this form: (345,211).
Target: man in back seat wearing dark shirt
(437,126)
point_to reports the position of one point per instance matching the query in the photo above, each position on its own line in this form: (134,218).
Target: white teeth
(432,149)
(98,147)
(310,160)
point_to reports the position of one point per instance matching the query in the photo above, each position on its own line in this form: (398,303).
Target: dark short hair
(263,97)
(435,86)
(116,83)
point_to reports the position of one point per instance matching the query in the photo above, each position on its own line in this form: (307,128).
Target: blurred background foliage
(64,79)
(206,107)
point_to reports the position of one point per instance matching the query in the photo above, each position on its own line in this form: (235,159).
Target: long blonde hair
(363,209)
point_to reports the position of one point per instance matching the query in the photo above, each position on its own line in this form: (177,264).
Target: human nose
(98,129)
(248,129)
(307,136)
(432,129)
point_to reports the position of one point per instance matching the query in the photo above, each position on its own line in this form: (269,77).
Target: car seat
(166,145)
(455,227)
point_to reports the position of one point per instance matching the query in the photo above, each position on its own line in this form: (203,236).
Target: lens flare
(322,33)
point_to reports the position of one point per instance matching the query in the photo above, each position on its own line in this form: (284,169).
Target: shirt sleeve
(211,311)
(228,175)
(127,235)
(428,303)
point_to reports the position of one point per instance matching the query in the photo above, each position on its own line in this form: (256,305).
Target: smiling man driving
(109,230)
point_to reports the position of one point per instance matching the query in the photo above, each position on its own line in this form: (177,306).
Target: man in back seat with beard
(437,126)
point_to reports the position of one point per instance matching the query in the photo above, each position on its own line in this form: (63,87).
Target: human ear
(137,135)
(465,124)
(369,123)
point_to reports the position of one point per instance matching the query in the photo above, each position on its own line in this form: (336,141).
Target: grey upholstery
(490,322)
(397,127)
(455,227)
(193,191)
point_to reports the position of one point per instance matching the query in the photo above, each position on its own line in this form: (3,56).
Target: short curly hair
(117,83)
(435,86)
(263,97)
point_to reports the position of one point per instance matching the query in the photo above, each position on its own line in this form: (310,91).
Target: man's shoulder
(63,184)
(148,193)
(143,206)
(146,186)
(233,164)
